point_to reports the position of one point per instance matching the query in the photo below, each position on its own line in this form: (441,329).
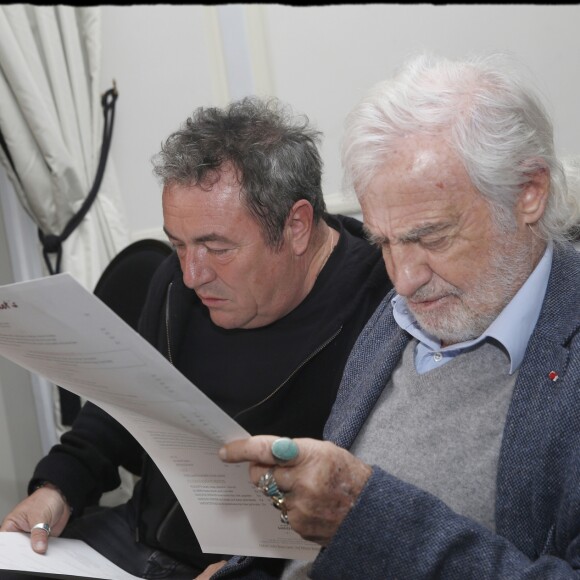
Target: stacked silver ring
(267,484)
(283,449)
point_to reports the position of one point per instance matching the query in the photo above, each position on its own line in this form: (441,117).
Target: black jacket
(310,346)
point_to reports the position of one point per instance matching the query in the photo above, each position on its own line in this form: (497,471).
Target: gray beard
(472,315)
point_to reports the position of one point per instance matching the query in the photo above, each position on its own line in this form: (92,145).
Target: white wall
(327,57)
(167,60)
(161,60)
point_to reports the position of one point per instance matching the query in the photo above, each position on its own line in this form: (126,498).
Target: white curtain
(51,119)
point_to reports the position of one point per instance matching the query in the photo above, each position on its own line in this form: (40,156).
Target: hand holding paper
(45,505)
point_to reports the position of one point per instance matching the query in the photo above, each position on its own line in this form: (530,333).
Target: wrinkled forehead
(420,183)
(419,162)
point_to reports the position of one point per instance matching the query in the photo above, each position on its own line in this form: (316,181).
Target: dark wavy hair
(274,154)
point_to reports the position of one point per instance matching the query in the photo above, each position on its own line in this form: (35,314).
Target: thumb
(39,537)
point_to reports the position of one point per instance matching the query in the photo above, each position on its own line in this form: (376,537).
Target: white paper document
(64,557)
(56,328)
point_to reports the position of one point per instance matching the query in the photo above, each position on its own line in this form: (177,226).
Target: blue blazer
(397,531)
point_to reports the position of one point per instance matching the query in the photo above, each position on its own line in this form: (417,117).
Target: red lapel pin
(553,376)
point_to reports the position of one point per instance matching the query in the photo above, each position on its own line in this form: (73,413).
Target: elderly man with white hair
(453,448)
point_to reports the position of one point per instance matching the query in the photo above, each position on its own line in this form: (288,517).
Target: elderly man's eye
(436,244)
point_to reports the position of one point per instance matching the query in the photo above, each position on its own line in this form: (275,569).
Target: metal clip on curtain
(51,243)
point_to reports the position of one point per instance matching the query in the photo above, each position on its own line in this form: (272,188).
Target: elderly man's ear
(533,198)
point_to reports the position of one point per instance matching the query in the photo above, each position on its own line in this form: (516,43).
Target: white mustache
(435,291)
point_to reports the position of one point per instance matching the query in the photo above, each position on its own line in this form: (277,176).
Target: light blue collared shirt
(512,328)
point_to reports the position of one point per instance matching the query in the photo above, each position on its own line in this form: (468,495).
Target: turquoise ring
(267,484)
(284,449)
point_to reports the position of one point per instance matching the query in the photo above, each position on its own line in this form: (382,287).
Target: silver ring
(42,526)
(267,484)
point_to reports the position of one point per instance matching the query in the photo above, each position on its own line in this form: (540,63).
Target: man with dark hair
(258,306)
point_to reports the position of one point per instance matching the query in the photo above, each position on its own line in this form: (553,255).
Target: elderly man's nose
(408,268)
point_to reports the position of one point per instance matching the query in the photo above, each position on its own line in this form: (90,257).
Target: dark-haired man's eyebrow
(211,237)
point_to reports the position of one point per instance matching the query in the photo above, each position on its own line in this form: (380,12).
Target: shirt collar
(512,328)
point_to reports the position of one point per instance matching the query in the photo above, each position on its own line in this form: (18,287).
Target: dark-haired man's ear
(299,226)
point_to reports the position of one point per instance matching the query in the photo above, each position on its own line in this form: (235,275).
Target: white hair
(494,122)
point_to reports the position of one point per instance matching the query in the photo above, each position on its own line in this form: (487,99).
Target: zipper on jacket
(298,368)
(170,358)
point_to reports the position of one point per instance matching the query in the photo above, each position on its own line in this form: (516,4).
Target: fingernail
(223,454)
(40,546)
